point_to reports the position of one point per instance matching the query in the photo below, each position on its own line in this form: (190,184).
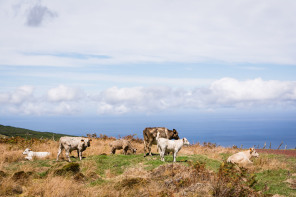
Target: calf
(121,144)
(73,143)
(243,157)
(165,145)
(32,154)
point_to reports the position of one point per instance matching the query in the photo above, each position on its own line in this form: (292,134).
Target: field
(200,170)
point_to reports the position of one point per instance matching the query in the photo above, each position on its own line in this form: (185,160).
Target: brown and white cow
(150,134)
(73,143)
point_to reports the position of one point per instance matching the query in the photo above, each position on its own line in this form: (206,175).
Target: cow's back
(150,133)
(116,144)
(70,142)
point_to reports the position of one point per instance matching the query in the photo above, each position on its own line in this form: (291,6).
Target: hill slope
(26,133)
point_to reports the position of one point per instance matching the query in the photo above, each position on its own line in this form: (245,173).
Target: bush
(232,180)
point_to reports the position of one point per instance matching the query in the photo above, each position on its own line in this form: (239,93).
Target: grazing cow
(243,157)
(122,144)
(150,133)
(165,145)
(73,143)
(32,154)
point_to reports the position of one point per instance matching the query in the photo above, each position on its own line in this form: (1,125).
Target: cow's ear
(251,150)
(183,139)
(82,140)
(174,130)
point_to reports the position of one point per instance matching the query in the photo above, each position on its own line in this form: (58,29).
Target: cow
(165,145)
(150,133)
(122,144)
(30,154)
(243,157)
(73,143)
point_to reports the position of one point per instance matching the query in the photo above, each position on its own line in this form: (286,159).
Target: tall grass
(197,172)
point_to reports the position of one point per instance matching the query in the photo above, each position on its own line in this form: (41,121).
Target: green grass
(115,163)
(118,163)
(211,164)
(273,182)
(225,155)
(270,182)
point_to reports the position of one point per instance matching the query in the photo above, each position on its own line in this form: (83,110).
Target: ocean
(222,130)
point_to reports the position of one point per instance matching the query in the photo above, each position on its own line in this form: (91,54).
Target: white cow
(32,154)
(73,143)
(243,157)
(165,145)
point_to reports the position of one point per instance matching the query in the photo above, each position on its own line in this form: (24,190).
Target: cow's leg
(125,148)
(67,155)
(113,150)
(175,155)
(29,158)
(59,152)
(80,155)
(145,148)
(149,147)
(158,148)
(162,155)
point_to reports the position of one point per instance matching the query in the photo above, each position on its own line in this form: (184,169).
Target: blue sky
(165,60)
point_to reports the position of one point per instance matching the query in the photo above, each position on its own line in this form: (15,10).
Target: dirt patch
(70,168)
(21,176)
(290,153)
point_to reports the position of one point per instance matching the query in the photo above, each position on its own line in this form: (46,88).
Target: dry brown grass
(56,186)
(135,181)
(210,152)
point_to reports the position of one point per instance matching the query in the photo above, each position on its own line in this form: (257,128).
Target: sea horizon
(221,130)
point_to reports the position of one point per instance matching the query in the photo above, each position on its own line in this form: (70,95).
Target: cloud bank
(225,93)
(127,32)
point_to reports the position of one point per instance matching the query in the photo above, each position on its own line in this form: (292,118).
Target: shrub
(232,180)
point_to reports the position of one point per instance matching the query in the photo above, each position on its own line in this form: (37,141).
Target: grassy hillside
(199,171)
(26,133)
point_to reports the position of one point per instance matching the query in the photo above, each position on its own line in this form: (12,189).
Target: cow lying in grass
(73,143)
(122,144)
(165,145)
(243,157)
(32,154)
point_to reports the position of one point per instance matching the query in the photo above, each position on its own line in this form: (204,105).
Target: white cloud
(18,96)
(64,93)
(226,92)
(223,93)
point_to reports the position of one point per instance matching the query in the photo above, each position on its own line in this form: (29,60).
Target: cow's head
(253,152)
(27,151)
(185,141)
(134,150)
(173,134)
(86,142)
